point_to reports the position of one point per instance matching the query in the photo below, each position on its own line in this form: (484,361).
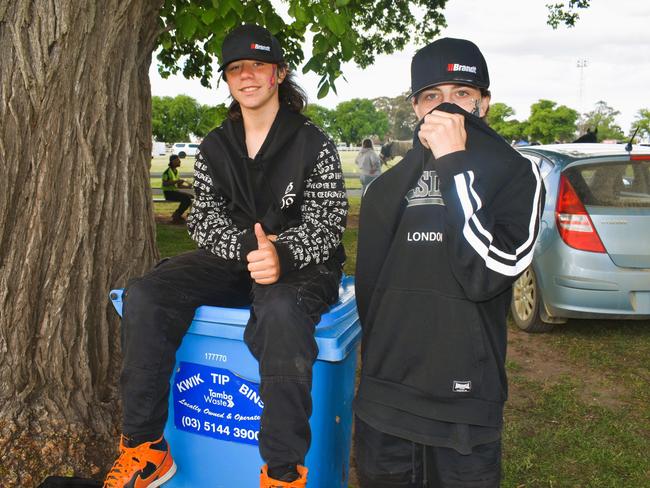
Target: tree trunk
(76,219)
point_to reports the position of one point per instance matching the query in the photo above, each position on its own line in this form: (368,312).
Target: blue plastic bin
(214,406)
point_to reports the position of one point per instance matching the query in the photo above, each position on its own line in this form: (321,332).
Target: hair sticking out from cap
(477,108)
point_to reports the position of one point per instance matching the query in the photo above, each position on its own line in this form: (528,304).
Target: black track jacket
(294,187)
(440,244)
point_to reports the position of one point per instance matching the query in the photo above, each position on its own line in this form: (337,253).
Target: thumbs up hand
(263,263)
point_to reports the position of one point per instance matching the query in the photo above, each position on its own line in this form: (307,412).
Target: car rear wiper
(628,146)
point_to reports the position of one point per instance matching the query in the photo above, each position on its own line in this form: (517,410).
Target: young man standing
(269,214)
(442,237)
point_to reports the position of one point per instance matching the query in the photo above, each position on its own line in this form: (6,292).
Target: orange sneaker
(149,464)
(267,482)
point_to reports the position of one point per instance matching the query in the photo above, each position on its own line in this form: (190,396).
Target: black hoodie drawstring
(413,474)
(425,477)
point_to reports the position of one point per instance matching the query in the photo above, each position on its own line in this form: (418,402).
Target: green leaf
(237,6)
(303,15)
(333,88)
(165,41)
(342,3)
(336,23)
(312,65)
(208,16)
(214,45)
(229,21)
(275,24)
(347,48)
(186,24)
(324,89)
(320,44)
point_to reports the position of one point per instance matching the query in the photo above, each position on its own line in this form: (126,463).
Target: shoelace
(125,463)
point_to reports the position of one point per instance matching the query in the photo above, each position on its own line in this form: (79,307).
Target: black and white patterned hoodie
(294,187)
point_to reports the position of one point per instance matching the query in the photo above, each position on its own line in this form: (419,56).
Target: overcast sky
(527,59)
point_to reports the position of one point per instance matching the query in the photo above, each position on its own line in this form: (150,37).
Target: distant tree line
(182,117)
(549,122)
(386,118)
(394,119)
(175,119)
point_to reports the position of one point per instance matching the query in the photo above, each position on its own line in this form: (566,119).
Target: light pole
(582,64)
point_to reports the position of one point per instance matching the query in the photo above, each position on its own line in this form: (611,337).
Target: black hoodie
(440,244)
(294,187)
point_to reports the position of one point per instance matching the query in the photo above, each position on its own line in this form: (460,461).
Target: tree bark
(76,220)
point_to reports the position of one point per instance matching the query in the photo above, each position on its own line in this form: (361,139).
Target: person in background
(442,237)
(171,183)
(368,163)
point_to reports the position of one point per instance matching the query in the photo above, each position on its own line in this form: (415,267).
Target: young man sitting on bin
(268,217)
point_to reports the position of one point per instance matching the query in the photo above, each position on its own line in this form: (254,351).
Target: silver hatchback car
(592,257)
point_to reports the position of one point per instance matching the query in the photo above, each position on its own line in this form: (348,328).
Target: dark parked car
(592,258)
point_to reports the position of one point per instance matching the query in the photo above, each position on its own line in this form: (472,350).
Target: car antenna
(628,146)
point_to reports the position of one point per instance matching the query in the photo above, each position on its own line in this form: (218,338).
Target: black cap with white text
(250,41)
(448,60)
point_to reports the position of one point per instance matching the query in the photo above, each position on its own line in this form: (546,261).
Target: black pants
(158,309)
(179,196)
(386,461)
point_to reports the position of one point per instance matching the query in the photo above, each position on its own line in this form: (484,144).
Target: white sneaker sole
(166,478)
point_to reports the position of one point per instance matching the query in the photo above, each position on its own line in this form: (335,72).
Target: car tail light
(573,221)
(640,157)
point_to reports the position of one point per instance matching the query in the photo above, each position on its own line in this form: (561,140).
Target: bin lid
(336,334)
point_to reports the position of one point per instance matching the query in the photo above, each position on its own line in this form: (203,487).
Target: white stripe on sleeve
(520,262)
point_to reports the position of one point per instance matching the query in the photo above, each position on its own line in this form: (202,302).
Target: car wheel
(526,301)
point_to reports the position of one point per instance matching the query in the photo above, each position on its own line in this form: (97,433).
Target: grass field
(579,408)
(160,163)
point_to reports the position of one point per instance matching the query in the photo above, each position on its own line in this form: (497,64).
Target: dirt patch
(539,361)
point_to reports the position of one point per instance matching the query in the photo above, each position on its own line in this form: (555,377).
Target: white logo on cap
(260,47)
(461,67)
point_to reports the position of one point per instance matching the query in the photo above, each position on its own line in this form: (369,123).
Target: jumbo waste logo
(461,67)
(260,47)
(216,402)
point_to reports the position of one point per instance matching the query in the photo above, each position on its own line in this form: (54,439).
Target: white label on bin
(217,403)
(213,356)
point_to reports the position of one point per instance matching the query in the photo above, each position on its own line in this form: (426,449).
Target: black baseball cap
(448,60)
(250,41)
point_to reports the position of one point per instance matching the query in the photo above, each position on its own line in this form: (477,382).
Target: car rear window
(615,184)
(194,145)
